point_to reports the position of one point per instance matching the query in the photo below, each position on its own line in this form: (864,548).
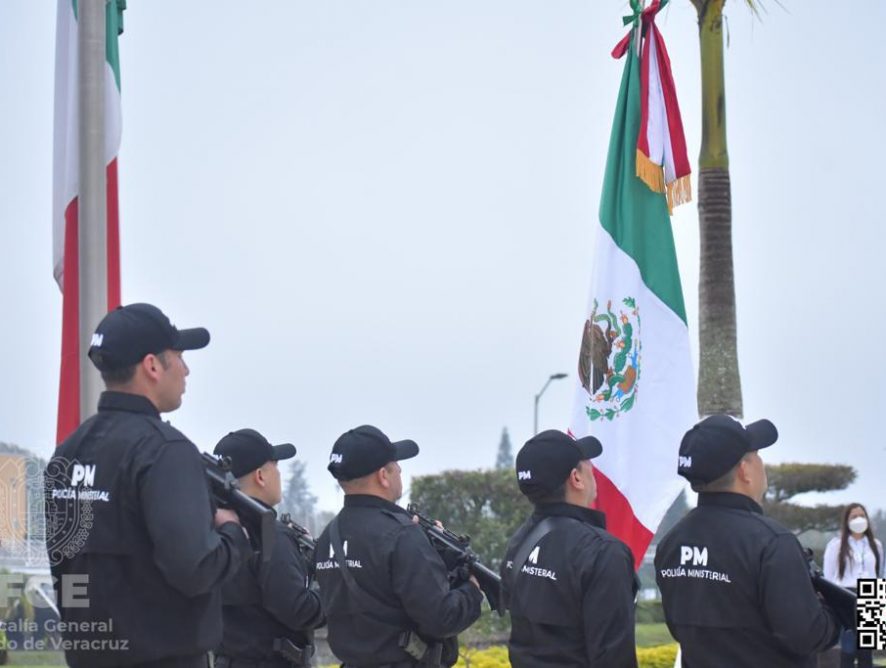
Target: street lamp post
(554,376)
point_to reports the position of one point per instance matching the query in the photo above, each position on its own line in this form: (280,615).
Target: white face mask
(858,524)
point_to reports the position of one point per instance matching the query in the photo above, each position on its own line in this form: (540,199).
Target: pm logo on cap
(715,445)
(128,333)
(247,450)
(368,449)
(544,462)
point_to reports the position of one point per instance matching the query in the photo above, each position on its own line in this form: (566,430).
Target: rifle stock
(256,518)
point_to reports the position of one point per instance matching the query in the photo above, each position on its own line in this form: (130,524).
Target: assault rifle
(455,548)
(842,601)
(306,544)
(258,520)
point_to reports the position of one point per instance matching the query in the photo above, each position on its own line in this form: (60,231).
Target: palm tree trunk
(719,384)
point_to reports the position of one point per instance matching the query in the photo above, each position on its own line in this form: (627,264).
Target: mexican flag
(66,188)
(636,389)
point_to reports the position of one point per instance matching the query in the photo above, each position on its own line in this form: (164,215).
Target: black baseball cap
(362,450)
(248,450)
(128,333)
(544,463)
(717,443)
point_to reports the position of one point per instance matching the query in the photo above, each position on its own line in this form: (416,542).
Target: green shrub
(662,656)
(492,657)
(649,612)
(652,635)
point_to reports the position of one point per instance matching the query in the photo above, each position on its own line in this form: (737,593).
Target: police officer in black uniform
(569,584)
(384,588)
(269,609)
(735,585)
(129,520)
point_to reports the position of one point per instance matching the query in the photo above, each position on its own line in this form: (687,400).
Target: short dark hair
(557,496)
(117,377)
(722,484)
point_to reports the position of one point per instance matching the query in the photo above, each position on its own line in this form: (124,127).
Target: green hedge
(649,612)
(662,656)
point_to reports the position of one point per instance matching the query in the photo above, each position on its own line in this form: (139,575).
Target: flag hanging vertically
(66,187)
(636,389)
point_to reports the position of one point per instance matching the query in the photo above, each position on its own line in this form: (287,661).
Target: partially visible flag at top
(636,389)
(66,188)
(662,161)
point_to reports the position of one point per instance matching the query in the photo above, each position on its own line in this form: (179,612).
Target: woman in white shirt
(854,554)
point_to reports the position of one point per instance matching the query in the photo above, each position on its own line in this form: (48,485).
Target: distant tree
(297,498)
(486,505)
(788,480)
(13,449)
(505,457)
(878,524)
(321,519)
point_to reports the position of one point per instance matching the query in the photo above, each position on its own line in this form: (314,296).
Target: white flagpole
(93,265)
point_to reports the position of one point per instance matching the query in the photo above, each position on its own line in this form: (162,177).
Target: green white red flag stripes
(636,389)
(66,187)
(662,160)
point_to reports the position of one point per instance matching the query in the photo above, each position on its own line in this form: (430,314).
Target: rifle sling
(538,532)
(364,600)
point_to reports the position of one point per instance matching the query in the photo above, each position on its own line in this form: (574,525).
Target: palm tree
(719,384)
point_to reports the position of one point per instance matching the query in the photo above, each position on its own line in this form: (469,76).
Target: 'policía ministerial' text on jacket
(130,527)
(736,589)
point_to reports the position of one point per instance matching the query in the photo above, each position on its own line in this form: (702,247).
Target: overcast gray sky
(384,212)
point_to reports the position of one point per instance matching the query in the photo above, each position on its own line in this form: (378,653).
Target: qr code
(870,615)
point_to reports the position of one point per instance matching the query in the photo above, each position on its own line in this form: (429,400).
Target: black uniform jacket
(127,506)
(268,600)
(572,602)
(736,589)
(392,560)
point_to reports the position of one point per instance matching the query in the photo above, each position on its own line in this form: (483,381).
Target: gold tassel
(650,173)
(679,192)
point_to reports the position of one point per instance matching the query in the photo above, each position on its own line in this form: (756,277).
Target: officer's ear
(382,477)
(743,471)
(151,366)
(582,475)
(576,479)
(385,473)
